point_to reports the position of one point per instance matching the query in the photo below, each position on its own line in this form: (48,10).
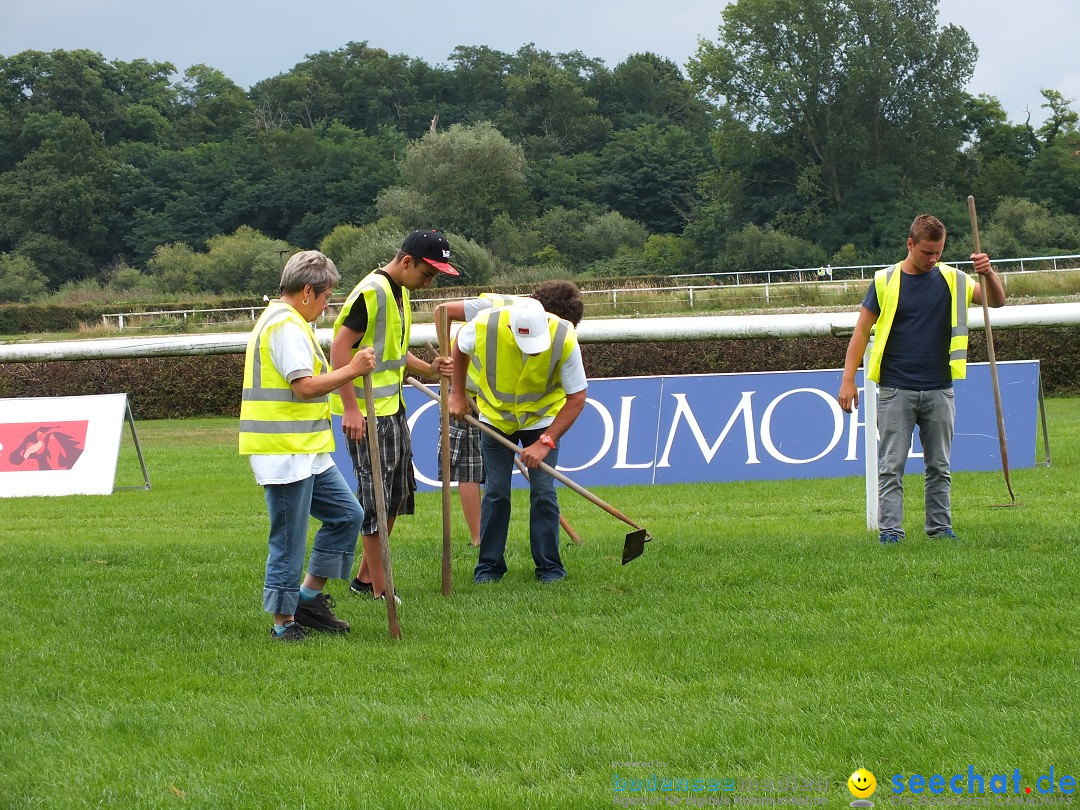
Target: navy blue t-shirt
(917,351)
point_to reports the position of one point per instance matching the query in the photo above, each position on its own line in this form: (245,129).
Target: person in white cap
(525,366)
(559,297)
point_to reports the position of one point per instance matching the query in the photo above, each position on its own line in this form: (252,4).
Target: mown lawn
(763,634)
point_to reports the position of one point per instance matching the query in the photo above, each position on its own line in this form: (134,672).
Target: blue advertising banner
(743,427)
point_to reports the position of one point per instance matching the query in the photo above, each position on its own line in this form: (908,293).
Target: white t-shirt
(572,371)
(290,350)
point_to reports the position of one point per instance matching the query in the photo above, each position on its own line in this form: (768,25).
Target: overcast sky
(1023,46)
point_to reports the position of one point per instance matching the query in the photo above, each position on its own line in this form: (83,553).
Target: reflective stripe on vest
(887,288)
(273,420)
(514,390)
(386,335)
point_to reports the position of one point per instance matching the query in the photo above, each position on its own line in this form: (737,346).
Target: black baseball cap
(432,247)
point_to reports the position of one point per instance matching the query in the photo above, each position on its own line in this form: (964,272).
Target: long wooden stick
(992,356)
(558,476)
(380,507)
(443,329)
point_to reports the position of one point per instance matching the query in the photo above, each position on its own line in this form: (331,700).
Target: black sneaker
(318,614)
(292,634)
(382,598)
(356,586)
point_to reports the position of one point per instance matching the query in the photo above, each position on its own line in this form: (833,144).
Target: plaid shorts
(399,482)
(466,463)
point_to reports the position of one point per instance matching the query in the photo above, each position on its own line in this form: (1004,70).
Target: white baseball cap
(529,324)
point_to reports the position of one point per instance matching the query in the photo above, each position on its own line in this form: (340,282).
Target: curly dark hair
(562,299)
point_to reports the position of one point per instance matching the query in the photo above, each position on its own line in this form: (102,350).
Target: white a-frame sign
(64,445)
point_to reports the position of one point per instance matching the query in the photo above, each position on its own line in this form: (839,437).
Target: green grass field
(763,634)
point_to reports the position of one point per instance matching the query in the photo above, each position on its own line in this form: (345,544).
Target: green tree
(245,261)
(1020,227)
(459,180)
(1062,118)
(666,254)
(20,280)
(1054,175)
(177,268)
(212,106)
(64,190)
(649,89)
(843,85)
(651,174)
(548,105)
(756,249)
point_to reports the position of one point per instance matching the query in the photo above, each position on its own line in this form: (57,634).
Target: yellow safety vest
(887,287)
(386,334)
(514,390)
(273,420)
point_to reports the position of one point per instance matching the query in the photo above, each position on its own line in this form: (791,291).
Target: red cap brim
(443,267)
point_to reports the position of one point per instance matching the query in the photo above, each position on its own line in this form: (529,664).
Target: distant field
(763,634)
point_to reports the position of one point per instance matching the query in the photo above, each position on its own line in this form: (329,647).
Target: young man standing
(377,314)
(920,308)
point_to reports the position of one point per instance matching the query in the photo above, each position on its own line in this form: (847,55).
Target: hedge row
(31,319)
(209,385)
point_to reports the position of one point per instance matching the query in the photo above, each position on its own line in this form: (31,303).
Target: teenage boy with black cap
(377,314)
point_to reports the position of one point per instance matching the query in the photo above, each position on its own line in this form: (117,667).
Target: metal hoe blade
(635,545)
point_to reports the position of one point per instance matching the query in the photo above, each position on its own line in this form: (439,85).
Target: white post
(120,321)
(870,445)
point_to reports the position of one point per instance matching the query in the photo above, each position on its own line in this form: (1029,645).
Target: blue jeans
(899,411)
(495,511)
(327,498)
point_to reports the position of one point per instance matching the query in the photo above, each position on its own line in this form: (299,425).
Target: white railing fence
(607,330)
(760,286)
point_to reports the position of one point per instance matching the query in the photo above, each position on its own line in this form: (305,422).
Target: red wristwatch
(545,439)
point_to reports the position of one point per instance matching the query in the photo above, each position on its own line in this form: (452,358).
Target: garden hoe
(635,541)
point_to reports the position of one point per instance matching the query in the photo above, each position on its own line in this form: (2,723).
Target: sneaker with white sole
(362,588)
(382,598)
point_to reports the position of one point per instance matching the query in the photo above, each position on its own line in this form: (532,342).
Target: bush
(20,279)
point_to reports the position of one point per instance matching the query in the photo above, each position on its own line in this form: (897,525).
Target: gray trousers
(898,412)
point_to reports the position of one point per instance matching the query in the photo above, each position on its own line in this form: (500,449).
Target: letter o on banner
(412,427)
(766,426)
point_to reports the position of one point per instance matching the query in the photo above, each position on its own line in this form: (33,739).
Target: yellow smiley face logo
(861,783)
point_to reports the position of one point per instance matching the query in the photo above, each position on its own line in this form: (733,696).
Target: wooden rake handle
(380,507)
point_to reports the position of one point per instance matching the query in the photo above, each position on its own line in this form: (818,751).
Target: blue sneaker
(944,534)
(889,537)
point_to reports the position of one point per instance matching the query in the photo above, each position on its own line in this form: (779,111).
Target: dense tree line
(809,131)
